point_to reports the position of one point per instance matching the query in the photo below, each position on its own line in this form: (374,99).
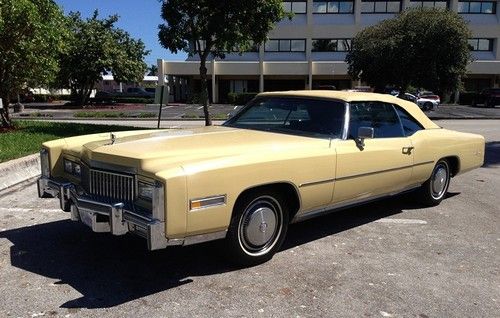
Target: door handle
(407,150)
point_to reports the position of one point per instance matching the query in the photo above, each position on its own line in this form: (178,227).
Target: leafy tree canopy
(420,47)
(98,47)
(212,27)
(32,35)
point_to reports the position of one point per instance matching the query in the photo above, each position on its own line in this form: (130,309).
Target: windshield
(300,116)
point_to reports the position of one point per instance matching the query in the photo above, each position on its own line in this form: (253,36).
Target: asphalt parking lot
(392,258)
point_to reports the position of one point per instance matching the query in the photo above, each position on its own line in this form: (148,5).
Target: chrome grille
(109,185)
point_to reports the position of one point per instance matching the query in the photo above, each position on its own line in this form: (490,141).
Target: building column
(310,75)
(261,68)
(454,5)
(496,43)
(357,11)
(405,4)
(215,91)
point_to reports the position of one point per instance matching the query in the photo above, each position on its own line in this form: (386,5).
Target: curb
(19,170)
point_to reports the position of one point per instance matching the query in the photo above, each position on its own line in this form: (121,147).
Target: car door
(383,165)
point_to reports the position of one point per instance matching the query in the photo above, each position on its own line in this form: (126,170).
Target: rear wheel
(258,227)
(427,106)
(435,188)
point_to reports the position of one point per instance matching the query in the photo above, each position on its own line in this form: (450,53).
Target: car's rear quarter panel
(435,144)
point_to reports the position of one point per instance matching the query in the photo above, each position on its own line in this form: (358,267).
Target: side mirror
(364,133)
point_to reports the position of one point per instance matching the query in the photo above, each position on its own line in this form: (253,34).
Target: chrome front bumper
(114,218)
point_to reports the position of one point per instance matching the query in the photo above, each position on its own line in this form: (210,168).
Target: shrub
(240,98)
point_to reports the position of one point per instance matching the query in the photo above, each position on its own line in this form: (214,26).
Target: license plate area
(95,221)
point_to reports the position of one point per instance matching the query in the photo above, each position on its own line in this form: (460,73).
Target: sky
(139,18)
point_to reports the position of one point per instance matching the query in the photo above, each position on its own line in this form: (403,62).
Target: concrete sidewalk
(18,171)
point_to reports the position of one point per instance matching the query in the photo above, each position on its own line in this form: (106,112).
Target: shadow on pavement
(492,154)
(110,271)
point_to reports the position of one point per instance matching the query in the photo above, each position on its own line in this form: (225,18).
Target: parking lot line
(401,221)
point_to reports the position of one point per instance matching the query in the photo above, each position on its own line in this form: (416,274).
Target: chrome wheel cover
(260,226)
(439,181)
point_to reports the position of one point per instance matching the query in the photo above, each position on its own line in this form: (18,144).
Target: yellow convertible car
(283,158)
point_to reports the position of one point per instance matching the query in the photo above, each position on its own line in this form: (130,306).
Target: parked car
(489,97)
(423,102)
(431,96)
(139,92)
(285,157)
(102,97)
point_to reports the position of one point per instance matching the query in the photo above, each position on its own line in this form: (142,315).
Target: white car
(422,102)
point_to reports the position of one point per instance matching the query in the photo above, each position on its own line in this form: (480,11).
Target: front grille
(108,185)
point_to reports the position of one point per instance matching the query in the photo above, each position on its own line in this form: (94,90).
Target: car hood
(159,150)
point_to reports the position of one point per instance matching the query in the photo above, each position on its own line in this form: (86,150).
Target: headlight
(72,168)
(145,191)
(45,163)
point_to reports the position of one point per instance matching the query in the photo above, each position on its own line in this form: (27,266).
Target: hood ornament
(113,138)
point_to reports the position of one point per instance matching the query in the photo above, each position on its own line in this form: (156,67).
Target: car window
(302,116)
(380,116)
(410,125)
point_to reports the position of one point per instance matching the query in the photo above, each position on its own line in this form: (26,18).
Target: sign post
(162,91)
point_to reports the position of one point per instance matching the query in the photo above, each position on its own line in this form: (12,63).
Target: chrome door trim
(306,184)
(347,204)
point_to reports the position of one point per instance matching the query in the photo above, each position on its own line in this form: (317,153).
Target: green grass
(84,114)
(196,116)
(112,114)
(28,136)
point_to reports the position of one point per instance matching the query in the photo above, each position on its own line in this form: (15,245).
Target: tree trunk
(204,91)
(4,112)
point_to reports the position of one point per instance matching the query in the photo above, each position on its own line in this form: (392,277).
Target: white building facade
(309,50)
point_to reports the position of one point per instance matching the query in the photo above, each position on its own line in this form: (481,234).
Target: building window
(253,48)
(481,45)
(376,6)
(331,45)
(482,7)
(297,7)
(428,4)
(287,45)
(343,6)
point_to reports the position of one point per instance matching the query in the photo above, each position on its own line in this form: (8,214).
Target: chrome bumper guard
(113,218)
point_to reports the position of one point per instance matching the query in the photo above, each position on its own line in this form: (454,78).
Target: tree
(210,28)
(421,47)
(153,70)
(32,35)
(98,47)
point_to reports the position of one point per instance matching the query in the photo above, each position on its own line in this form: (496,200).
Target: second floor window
(481,45)
(485,7)
(331,45)
(376,6)
(428,4)
(297,7)
(285,45)
(342,6)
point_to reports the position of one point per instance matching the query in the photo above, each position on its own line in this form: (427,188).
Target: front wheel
(427,106)
(258,227)
(433,191)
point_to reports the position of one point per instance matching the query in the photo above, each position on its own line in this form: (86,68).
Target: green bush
(193,98)
(466,98)
(240,98)
(134,100)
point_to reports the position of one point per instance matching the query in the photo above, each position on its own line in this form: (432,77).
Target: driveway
(392,258)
